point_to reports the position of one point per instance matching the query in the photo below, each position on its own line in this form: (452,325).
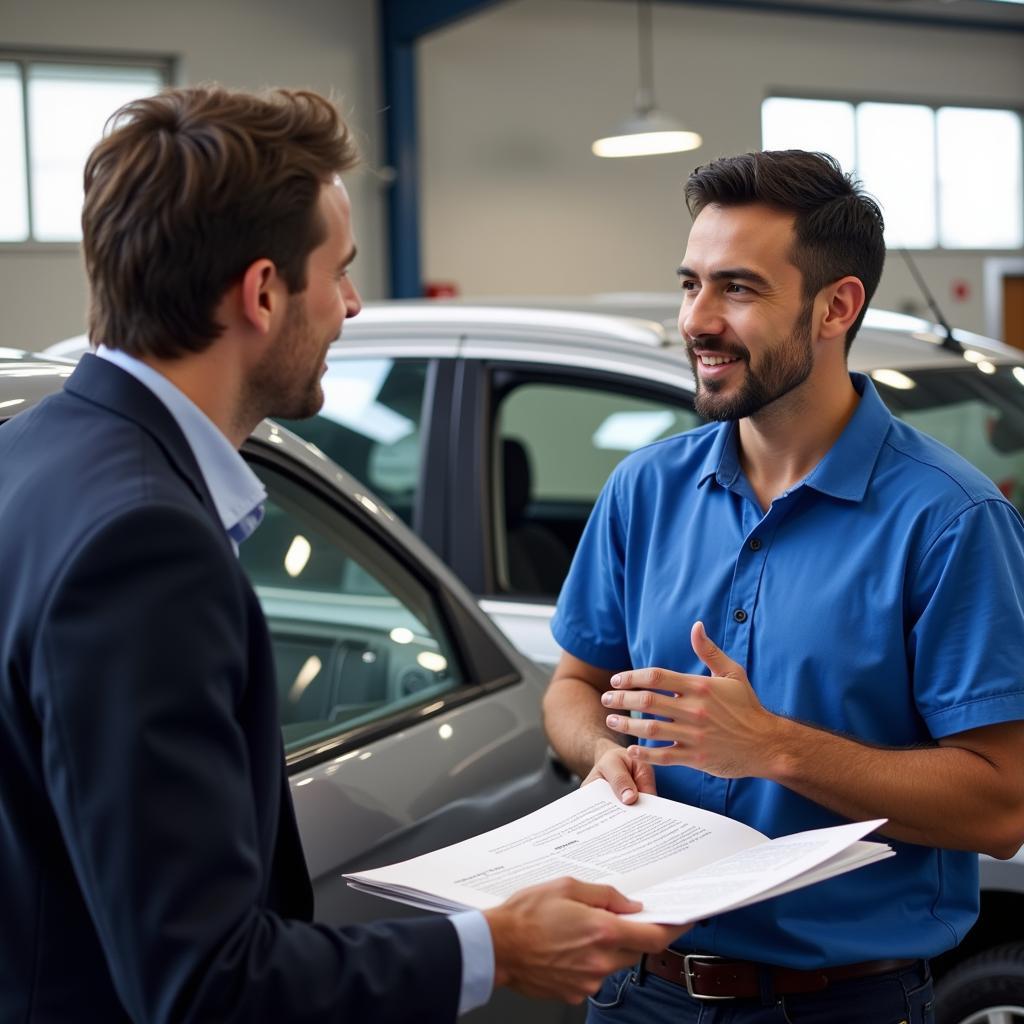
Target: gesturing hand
(714,723)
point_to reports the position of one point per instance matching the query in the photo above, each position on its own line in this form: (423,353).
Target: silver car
(409,721)
(491,430)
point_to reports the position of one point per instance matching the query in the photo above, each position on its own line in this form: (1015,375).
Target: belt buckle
(688,975)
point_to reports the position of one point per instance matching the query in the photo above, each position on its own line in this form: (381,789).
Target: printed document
(681,862)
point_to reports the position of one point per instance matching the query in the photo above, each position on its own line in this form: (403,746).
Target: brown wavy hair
(185,191)
(838,227)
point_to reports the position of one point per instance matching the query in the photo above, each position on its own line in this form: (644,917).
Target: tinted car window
(556,446)
(979,415)
(370,424)
(355,635)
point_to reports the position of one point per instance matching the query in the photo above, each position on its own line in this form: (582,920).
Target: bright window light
(896,162)
(350,398)
(432,661)
(979,155)
(894,379)
(297,556)
(949,177)
(309,671)
(627,431)
(825,126)
(68,106)
(13,194)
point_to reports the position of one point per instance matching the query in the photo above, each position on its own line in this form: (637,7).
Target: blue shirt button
(755,544)
(740,615)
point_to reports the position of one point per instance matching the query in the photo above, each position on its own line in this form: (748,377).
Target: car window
(555,446)
(356,636)
(370,424)
(979,415)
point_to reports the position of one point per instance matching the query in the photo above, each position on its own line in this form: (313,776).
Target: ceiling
(973,13)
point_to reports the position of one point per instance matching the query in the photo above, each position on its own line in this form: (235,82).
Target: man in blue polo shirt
(819,612)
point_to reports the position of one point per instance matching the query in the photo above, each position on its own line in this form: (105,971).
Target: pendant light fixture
(648,130)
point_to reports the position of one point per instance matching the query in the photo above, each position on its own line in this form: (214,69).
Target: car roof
(610,331)
(622,323)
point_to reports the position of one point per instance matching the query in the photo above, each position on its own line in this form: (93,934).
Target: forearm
(943,796)
(575,723)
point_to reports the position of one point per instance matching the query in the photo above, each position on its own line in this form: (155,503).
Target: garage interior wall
(514,202)
(327,45)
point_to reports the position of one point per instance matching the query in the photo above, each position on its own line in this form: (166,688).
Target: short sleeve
(967,621)
(589,621)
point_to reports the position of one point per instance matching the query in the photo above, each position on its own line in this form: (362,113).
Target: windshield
(980,415)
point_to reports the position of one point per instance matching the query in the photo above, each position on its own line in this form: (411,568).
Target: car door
(535,444)
(409,723)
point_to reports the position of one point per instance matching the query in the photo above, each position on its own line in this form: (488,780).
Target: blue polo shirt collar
(722,461)
(846,469)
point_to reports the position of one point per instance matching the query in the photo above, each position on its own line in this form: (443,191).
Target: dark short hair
(185,191)
(838,228)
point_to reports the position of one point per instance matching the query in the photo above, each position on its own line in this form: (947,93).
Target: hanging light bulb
(648,131)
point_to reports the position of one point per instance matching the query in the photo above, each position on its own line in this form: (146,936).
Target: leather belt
(713,977)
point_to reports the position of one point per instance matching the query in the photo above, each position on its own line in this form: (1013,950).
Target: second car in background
(491,430)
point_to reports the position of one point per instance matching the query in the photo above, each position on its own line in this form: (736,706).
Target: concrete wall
(328,45)
(515,203)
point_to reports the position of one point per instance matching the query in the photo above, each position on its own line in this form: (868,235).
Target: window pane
(557,445)
(977,414)
(68,107)
(824,126)
(370,424)
(980,178)
(896,162)
(355,636)
(13,195)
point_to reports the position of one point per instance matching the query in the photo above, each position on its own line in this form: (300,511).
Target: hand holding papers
(681,862)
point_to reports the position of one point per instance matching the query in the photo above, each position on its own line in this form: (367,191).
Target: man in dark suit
(150,865)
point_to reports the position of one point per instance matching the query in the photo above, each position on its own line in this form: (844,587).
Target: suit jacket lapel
(105,384)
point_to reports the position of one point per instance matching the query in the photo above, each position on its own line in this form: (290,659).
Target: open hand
(715,724)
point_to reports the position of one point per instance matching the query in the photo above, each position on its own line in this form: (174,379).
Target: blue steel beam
(403,23)
(410,19)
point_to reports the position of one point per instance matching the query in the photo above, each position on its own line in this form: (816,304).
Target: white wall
(515,203)
(327,45)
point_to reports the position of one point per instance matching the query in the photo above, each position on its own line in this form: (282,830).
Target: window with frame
(371,424)
(52,112)
(556,443)
(946,177)
(356,636)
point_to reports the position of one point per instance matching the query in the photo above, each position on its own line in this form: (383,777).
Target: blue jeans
(902,997)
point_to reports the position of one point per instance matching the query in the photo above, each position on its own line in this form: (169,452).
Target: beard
(285,384)
(783,367)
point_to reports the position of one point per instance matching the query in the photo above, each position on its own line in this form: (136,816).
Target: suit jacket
(150,864)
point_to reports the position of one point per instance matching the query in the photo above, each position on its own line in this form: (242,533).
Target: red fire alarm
(960,289)
(441,290)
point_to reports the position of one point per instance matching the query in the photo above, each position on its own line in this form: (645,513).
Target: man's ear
(845,299)
(261,292)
